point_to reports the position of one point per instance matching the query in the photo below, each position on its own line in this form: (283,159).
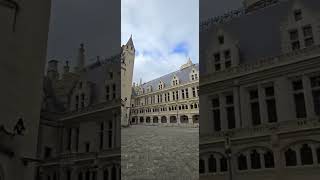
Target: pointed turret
(130,42)
(81,57)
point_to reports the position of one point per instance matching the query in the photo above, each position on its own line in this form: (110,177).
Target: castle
(81,117)
(259,92)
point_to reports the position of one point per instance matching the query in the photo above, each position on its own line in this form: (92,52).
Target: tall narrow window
(77,102)
(268,160)
(110,136)
(306,155)
(217,62)
(297,15)
(255,160)
(193,91)
(315,85)
(255,109)
(101,135)
(216,114)
(308,35)
(182,93)
(201,166)
(230,112)
(114,172)
(212,164)
(113,91)
(242,162)
(82,100)
(187,93)
(223,164)
(177,95)
(77,138)
(291,157)
(106,174)
(69,131)
(271,104)
(299,101)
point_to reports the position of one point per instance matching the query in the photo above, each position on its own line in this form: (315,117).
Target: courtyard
(159,153)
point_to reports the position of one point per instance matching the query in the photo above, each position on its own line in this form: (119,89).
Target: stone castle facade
(81,117)
(259,93)
(170,100)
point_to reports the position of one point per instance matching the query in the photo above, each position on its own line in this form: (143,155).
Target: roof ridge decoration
(230,15)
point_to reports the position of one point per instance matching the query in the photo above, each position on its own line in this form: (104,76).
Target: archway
(173,119)
(195,119)
(155,119)
(141,120)
(184,119)
(163,119)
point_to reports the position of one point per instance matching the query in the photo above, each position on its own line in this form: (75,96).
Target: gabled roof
(182,74)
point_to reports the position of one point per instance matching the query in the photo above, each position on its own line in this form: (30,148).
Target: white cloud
(158,26)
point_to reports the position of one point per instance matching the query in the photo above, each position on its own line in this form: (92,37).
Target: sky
(165,32)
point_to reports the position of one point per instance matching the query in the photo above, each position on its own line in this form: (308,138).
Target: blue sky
(165,34)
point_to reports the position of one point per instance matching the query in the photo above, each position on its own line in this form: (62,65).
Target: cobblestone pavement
(159,153)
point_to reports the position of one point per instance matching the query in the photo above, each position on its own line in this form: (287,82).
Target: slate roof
(258,32)
(182,74)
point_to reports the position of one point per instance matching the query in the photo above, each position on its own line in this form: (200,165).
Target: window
(308,42)
(111,75)
(201,166)
(47,152)
(113,91)
(212,164)
(295,45)
(307,31)
(101,135)
(217,67)
(315,85)
(182,93)
(291,158)
(297,15)
(298,96)
(217,61)
(69,139)
(255,160)
(271,104)
(318,155)
(223,164)
(105,174)
(82,100)
(68,174)
(227,54)
(230,112)
(242,162)
(255,109)
(268,160)
(216,114)
(187,93)
(110,136)
(221,39)
(107,92)
(77,102)
(77,138)
(306,155)
(294,35)
(87,147)
(177,95)
(228,64)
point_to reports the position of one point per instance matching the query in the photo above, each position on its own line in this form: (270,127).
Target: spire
(130,42)
(66,67)
(81,57)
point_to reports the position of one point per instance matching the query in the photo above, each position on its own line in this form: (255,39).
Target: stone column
(308,97)
(190,119)
(206,164)
(297,150)
(247,154)
(314,154)
(262,160)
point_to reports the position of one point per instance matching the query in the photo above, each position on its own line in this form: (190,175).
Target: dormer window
(297,15)
(294,35)
(221,40)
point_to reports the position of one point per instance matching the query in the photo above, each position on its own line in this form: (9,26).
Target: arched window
(114,172)
(255,160)
(318,155)
(105,174)
(212,164)
(306,154)
(242,162)
(201,166)
(291,157)
(223,164)
(80,176)
(268,160)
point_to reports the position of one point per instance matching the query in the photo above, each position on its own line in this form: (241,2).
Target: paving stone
(159,153)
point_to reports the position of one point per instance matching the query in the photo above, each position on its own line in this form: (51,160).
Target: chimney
(81,57)
(66,67)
